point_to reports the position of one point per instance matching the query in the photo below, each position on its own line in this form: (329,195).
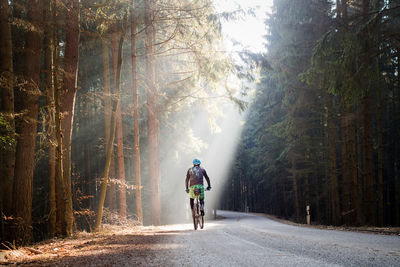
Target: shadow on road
(146,248)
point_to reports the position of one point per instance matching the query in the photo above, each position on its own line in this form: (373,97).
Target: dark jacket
(195,176)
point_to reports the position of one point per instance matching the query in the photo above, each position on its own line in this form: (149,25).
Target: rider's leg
(191,203)
(202,206)
(202,200)
(191,197)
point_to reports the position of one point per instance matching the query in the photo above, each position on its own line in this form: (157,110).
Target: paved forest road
(249,240)
(238,240)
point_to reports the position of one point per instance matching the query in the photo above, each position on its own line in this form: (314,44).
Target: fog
(215,144)
(197,120)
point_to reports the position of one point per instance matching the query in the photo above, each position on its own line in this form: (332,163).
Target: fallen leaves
(85,247)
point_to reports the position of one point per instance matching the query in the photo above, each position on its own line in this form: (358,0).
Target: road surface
(241,239)
(249,240)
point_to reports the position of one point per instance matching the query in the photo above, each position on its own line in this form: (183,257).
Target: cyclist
(195,176)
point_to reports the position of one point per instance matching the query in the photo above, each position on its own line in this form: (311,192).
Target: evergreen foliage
(7,134)
(331,63)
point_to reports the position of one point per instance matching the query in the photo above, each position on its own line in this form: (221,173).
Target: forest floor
(128,246)
(134,245)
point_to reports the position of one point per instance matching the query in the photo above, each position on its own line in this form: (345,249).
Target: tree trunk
(111,196)
(18,39)
(295,192)
(346,179)
(28,104)
(109,149)
(152,122)
(59,178)
(136,141)
(49,63)
(7,157)
(107,119)
(396,107)
(109,145)
(119,134)
(336,220)
(370,207)
(380,146)
(317,199)
(355,201)
(68,101)
(344,124)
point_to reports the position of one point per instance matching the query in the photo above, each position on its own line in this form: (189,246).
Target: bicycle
(198,218)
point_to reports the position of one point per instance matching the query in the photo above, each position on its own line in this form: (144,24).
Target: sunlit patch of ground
(181,228)
(112,245)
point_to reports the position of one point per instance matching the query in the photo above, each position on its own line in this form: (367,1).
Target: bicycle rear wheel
(195,216)
(201,222)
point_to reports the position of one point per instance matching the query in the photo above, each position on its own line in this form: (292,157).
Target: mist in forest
(214,145)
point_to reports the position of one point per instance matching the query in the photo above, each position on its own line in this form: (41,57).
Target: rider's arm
(187,179)
(207,178)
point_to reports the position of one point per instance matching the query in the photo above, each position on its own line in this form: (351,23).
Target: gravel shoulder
(361,229)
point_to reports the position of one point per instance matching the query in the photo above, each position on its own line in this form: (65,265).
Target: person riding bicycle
(195,176)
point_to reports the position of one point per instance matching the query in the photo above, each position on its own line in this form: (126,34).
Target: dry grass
(54,248)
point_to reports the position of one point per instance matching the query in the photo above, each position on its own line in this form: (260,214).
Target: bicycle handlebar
(207,189)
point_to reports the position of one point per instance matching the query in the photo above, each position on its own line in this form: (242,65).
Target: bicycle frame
(198,219)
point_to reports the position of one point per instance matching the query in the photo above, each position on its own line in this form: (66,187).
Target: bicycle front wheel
(201,222)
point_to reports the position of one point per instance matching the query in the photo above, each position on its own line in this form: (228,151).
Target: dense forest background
(100,99)
(104,104)
(323,130)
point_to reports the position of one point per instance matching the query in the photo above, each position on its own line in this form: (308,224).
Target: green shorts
(191,192)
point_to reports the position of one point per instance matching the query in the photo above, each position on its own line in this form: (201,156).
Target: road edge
(395,231)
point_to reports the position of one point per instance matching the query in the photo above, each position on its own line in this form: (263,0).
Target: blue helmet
(196,162)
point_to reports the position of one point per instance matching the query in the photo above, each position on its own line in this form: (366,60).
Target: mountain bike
(198,218)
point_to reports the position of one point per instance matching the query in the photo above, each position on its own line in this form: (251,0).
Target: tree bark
(318,199)
(110,201)
(109,148)
(109,145)
(380,146)
(370,205)
(18,39)
(26,128)
(152,122)
(295,192)
(136,141)
(344,124)
(49,63)
(355,201)
(60,189)
(396,102)
(7,157)
(119,134)
(346,180)
(68,101)
(396,108)
(59,178)
(336,220)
